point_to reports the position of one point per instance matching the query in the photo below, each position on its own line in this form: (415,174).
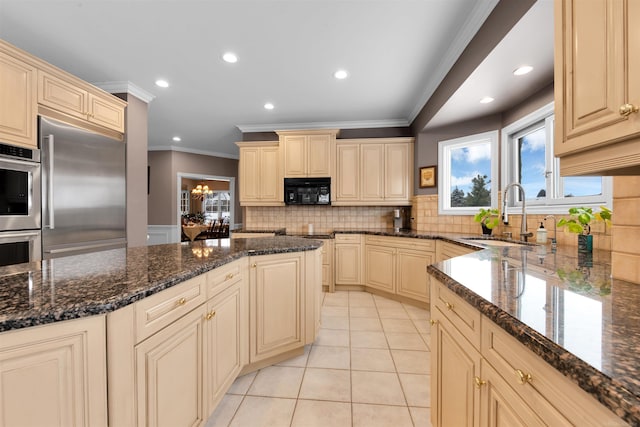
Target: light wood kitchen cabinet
(259,174)
(64,94)
(170,373)
(348,259)
(398,265)
(18,109)
(54,375)
(307,154)
(276,304)
(486,377)
(597,89)
(374,172)
(328,279)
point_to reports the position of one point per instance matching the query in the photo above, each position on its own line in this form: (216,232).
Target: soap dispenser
(541,234)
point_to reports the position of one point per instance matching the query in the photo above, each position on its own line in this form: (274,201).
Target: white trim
(126,87)
(444,180)
(479,14)
(192,151)
(232,191)
(362,124)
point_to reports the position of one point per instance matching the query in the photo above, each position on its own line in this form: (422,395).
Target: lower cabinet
(482,376)
(380,263)
(348,256)
(276,307)
(54,375)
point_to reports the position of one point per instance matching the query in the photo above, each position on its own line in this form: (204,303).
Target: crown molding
(126,87)
(479,14)
(362,124)
(193,151)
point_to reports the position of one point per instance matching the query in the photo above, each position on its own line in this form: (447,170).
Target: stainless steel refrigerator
(83,190)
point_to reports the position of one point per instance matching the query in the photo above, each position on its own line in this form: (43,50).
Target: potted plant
(488,219)
(579,222)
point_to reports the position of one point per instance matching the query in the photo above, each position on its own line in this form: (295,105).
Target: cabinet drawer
(348,238)
(460,313)
(544,388)
(402,242)
(222,277)
(159,310)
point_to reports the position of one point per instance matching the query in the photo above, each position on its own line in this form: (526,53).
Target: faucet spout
(505,216)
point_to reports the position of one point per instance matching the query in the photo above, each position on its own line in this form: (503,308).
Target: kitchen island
(168,327)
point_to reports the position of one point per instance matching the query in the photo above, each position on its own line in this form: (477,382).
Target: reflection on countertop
(566,308)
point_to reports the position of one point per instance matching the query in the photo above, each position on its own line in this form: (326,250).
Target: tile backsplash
(625,252)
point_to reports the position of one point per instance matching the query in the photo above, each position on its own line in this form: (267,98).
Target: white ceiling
(396,52)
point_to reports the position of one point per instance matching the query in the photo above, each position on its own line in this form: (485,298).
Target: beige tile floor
(369,366)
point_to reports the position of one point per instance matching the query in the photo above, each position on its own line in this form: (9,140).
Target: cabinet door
(348,264)
(227,339)
(62,96)
(18,109)
(270,184)
(598,65)
(249,174)
(169,374)
(347,185)
(372,172)
(106,113)
(397,172)
(54,375)
(380,267)
(276,304)
(412,278)
(295,156)
(455,365)
(502,406)
(319,155)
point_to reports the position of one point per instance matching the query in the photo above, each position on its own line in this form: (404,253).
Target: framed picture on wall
(428,176)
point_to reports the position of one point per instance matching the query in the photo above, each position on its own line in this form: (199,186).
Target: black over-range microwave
(307,191)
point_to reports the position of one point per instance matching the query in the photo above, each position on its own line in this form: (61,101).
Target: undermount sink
(493,242)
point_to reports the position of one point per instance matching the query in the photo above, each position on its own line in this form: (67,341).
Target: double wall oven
(20,238)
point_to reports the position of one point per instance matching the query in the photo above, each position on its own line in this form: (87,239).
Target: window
(217,205)
(468,173)
(185,198)
(527,150)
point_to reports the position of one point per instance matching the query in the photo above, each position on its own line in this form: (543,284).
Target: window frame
(508,174)
(444,171)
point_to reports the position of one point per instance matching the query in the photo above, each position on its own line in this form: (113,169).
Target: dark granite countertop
(83,285)
(565,308)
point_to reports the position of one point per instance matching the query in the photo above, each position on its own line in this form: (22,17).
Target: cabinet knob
(479,382)
(182,301)
(210,315)
(523,378)
(254,265)
(433,322)
(448,305)
(627,109)
(229,276)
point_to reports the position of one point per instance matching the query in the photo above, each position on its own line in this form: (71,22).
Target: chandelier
(200,192)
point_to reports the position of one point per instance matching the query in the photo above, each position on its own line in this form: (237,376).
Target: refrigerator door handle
(81,248)
(50,165)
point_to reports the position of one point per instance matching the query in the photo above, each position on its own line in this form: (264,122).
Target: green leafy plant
(487,217)
(581,217)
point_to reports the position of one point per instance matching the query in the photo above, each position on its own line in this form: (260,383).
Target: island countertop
(563,306)
(83,285)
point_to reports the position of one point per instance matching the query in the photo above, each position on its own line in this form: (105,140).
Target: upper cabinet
(30,86)
(259,174)
(373,172)
(307,154)
(597,87)
(19,108)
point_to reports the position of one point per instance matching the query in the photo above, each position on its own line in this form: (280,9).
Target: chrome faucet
(505,216)
(554,241)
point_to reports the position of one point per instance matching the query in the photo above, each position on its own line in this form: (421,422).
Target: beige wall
(165,166)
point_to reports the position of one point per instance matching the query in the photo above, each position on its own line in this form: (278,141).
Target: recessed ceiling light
(230,57)
(486,100)
(269,106)
(341,74)
(162,83)
(177,139)
(525,69)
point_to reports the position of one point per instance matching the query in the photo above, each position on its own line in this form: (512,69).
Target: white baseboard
(161,234)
